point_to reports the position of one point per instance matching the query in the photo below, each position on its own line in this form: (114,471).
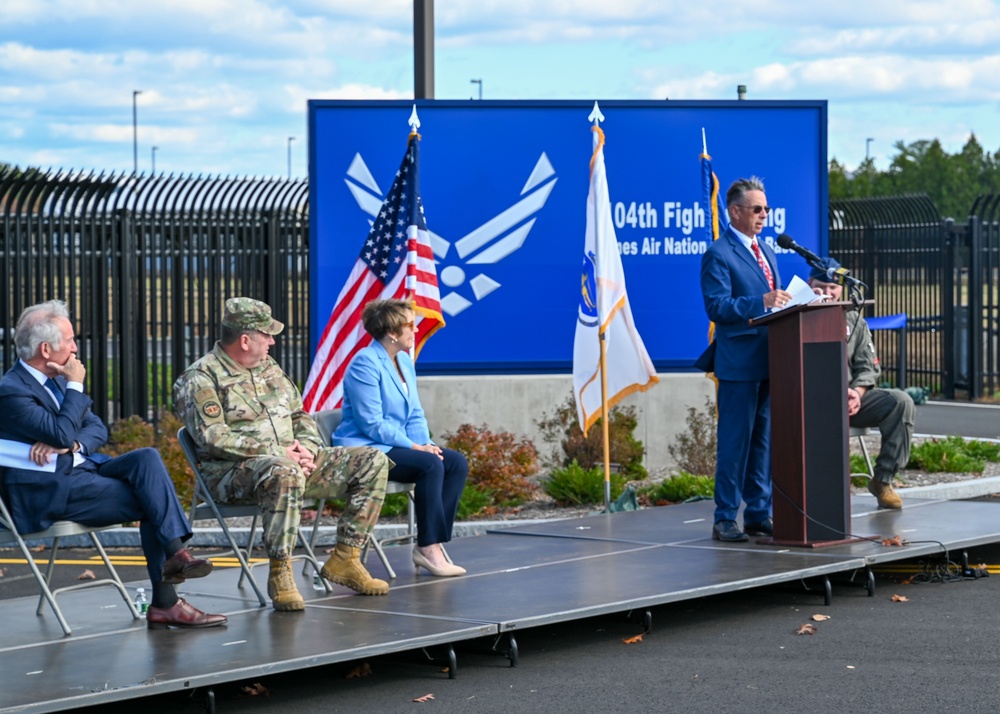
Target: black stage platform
(518,578)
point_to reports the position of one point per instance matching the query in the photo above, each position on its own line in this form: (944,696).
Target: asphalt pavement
(981,421)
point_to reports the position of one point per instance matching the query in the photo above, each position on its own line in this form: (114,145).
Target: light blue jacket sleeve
(376,410)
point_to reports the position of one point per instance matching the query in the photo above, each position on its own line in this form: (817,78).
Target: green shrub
(679,488)
(562,431)
(858,464)
(952,454)
(983,450)
(575,485)
(499,463)
(694,450)
(395,504)
(474,501)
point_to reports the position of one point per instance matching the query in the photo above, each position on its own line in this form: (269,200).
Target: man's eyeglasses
(758,208)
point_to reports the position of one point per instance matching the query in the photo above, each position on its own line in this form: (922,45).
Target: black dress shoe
(764,528)
(181,614)
(728,531)
(182,565)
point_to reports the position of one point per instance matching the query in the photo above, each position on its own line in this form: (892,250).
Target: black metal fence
(145,264)
(943,276)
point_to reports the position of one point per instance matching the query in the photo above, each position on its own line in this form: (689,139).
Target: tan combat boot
(345,568)
(281,588)
(885,494)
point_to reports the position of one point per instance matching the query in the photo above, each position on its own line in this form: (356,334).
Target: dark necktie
(763,263)
(54,387)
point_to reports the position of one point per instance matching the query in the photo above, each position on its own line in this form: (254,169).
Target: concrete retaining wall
(514,402)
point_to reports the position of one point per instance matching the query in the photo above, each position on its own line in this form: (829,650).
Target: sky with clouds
(225,82)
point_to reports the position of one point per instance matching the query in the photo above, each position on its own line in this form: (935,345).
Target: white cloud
(853,78)
(122,133)
(298,96)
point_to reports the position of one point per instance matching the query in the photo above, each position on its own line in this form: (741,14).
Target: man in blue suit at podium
(739,281)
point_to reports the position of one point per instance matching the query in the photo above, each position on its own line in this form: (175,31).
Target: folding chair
(204,507)
(60,529)
(861,432)
(328,421)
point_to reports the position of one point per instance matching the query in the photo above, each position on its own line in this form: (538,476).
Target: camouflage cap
(244,313)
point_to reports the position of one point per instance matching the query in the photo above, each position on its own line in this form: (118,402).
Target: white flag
(604,308)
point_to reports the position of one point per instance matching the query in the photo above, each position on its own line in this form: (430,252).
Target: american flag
(395,262)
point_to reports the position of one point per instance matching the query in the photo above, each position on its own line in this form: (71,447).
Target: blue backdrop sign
(504,188)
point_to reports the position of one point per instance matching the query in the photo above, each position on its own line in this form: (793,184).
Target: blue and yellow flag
(711,199)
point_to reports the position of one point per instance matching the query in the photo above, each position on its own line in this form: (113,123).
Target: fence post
(950,246)
(128,363)
(974,345)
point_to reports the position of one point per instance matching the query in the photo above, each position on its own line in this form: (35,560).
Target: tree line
(953,181)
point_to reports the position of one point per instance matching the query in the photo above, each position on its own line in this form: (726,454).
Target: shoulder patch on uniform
(211,409)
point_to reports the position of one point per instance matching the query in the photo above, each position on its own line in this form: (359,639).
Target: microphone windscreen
(785,241)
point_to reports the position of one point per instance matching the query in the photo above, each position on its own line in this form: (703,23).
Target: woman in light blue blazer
(382,409)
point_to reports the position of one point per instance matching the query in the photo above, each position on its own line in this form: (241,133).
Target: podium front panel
(826,441)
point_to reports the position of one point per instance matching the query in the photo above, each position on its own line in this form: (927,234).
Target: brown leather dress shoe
(182,614)
(182,565)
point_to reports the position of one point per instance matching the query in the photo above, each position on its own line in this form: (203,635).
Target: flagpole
(597,118)
(414,124)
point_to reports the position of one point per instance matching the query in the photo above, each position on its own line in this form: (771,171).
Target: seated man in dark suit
(43,404)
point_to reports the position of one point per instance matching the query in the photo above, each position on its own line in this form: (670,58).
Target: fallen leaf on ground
(86,575)
(806,629)
(900,598)
(632,640)
(2,572)
(894,541)
(909,580)
(820,618)
(362,670)
(425,698)
(37,549)
(256,690)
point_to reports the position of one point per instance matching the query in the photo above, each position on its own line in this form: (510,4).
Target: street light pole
(480,83)
(290,140)
(135,133)
(154,158)
(868,143)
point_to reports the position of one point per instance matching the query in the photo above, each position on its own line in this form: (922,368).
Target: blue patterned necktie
(54,387)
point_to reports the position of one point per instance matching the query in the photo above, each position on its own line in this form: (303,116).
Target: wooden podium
(810,463)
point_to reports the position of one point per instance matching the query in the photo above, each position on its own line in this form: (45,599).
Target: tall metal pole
(153,152)
(290,140)
(868,143)
(135,133)
(480,83)
(423,49)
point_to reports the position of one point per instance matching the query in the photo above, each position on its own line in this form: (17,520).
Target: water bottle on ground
(141,603)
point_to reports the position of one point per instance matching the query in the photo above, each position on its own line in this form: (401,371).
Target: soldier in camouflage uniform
(257,445)
(891,410)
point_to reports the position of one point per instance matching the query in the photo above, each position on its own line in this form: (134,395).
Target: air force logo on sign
(490,243)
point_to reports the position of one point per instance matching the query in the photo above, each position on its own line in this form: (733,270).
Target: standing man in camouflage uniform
(256,444)
(891,410)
